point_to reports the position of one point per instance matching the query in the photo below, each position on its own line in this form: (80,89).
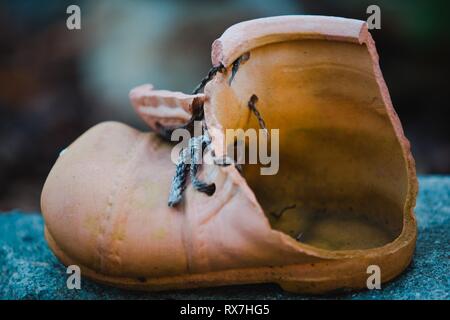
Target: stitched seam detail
(105,248)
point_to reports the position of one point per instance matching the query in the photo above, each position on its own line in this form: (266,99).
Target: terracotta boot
(342,200)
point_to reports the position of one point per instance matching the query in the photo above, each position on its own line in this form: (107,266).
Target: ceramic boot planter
(342,200)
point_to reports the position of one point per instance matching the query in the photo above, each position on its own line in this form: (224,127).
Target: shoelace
(189,160)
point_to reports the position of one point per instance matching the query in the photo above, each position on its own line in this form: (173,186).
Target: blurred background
(55,83)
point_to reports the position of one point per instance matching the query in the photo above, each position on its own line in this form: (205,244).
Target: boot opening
(342,178)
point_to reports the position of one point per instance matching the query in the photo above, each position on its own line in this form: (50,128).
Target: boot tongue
(162,108)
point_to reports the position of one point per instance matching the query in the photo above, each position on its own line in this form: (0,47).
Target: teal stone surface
(29,270)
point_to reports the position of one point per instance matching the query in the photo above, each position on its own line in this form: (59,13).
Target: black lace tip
(208,189)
